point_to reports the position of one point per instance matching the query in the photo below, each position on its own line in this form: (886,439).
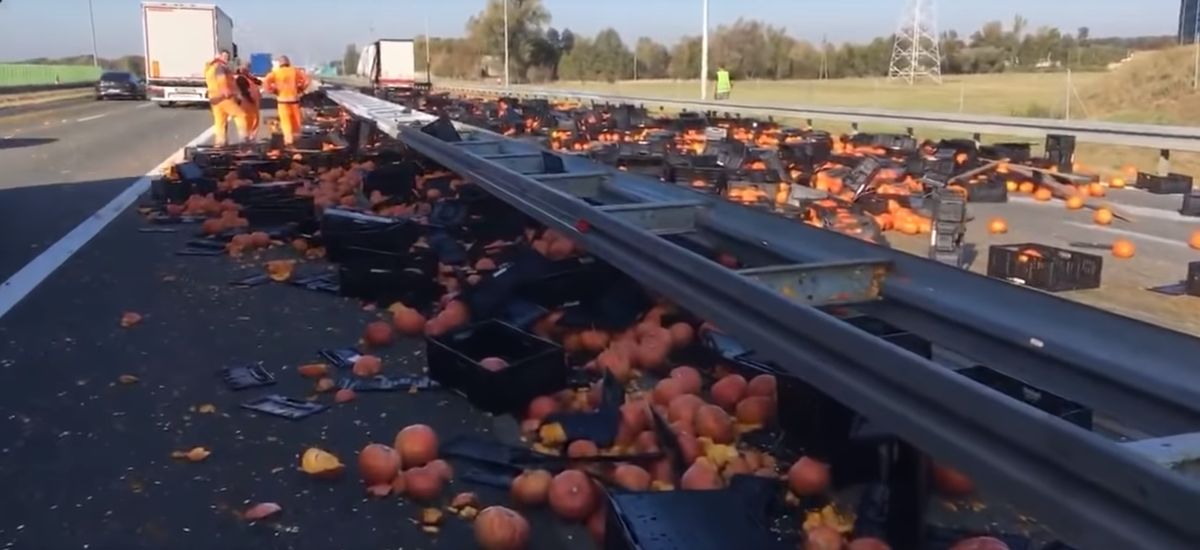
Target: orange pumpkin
(378,464)
(367,366)
(1074,202)
(667,390)
(763,385)
(808,477)
(1103,216)
(417,445)
(531,487)
(683,409)
(499,528)
(1117,183)
(980,543)
(1025,187)
(1194,239)
(1096,190)
(755,410)
(541,407)
(572,495)
(868,543)
(701,476)
(408,322)
(729,390)
(423,483)
(714,423)
(632,478)
(690,379)
(582,448)
(1011,186)
(378,334)
(950,482)
(1122,248)
(823,538)
(1043,194)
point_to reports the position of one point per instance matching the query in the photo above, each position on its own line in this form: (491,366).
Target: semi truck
(390,65)
(180,39)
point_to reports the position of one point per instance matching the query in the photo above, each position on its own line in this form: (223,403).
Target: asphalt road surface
(60,165)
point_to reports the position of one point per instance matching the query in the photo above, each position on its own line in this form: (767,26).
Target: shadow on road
(17,143)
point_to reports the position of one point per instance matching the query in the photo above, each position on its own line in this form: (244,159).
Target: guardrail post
(1164,162)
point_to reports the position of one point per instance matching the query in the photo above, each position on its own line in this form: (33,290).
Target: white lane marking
(1128,233)
(143,106)
(1133,210)
(17,287)
(93,117)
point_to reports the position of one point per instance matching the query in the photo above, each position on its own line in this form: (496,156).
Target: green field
(1003,94)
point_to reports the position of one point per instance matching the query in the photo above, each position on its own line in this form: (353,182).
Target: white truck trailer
(390,65)
(180,39)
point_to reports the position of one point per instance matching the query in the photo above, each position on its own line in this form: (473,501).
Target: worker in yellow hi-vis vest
(288,84)
(224,99)
(724,86)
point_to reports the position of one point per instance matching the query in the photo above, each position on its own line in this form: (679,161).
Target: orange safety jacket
(218,81)
(287,83)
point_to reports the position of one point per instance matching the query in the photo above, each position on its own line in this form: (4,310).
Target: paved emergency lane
(59,166)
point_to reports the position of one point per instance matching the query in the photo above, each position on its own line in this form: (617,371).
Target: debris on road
(130,318)
(196,454)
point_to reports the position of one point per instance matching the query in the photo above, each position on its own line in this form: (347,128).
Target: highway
(86,459)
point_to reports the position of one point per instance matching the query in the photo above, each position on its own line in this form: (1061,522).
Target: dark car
(120,85)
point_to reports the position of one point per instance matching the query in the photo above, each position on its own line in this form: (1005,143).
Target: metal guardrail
(1092,491)
(1176,138)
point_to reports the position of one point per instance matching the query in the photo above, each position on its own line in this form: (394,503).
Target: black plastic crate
(343,230)
(897,142)
(1014,152)
(1192,284)
(1191,203)
(291,210)
(733,517)
(566,281)
(1170,184)
(1044,267)
(535,366)
(994,189)
(380,281)
(1060,152)
(1045,401)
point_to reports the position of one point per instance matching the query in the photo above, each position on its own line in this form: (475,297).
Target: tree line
(748,48)
(135,64)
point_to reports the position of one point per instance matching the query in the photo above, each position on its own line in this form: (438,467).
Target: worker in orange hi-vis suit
(248,86)
(224,98)
(288,84)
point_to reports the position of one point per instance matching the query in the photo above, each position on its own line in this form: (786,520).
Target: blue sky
(312,30)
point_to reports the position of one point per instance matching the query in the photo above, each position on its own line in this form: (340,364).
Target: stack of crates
(949,227)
